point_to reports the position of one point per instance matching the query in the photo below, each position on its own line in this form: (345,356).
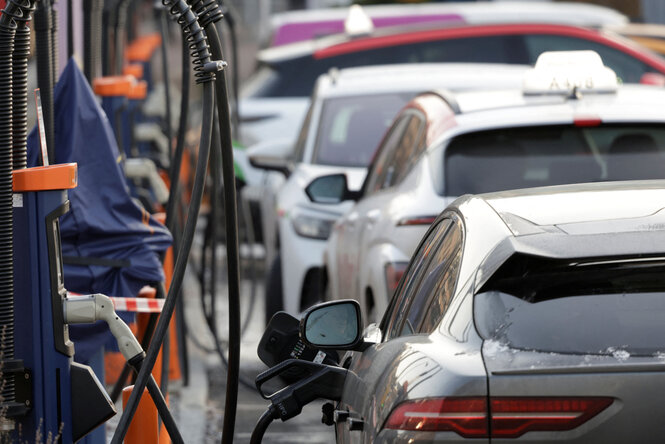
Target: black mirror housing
(333,325)
(330,189)
(271,163)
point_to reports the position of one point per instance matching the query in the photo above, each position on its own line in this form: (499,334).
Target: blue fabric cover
(104,221)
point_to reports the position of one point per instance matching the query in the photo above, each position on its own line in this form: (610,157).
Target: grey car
(532,315)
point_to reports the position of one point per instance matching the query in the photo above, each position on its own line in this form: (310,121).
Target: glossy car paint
(455,361)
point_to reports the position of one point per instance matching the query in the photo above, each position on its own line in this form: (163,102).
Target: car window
(513,158)
(351,127)
(412,146)
(301,142)
(432,295)
(383,155)
(394,162)
(627,68)
(609,306)
(413,276)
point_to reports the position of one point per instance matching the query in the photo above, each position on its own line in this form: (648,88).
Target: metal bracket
(22,388)
(215,66)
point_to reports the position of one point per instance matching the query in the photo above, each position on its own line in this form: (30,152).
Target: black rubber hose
(160,403)
(119,33)
(176,161)
(180,265)
(88,40)
(70,29)
(7,34)
(108,20)
(20,92)
(232,256)
(262,425)
(163,25)
(54,44)
(229,15)
(45,79)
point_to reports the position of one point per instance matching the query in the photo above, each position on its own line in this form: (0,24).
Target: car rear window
(351,127)
(513,158)
(604,308)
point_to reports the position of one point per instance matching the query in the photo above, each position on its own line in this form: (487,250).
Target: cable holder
(196,37)
(215,66)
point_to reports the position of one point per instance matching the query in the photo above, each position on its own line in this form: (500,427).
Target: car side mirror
(336,325)
(330,189)
(271,163)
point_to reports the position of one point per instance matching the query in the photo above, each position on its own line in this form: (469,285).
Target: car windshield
(350,128)
(612,307)
(513,158)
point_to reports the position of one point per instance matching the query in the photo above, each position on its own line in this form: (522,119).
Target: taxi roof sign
(566,72)
(358,23)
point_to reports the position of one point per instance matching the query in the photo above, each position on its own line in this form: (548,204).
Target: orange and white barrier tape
(138,305)
(134,305)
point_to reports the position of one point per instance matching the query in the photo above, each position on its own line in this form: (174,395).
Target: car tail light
(416,220)
(394,272)
(512,417)
(465,416)
(509,417)
(586,122)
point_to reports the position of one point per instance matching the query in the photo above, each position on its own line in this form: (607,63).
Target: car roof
(476,12)
(298,25)
(416,78)
(510,108)
(589,222)
(333,45)
(590,208)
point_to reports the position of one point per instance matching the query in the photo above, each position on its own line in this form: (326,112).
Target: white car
(562,127)
(350,111)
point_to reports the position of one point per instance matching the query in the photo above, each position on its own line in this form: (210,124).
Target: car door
(373,211)
(347,233)
(381,375)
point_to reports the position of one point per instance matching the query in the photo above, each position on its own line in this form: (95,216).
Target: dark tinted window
(431,298)
(429,282)
(352,127)
(627,68)
(513,158)
(296,77)
(588,308)
(392,323)
(384,154)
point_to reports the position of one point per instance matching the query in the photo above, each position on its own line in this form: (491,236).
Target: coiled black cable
(7,35)
(20,87)
(199,46)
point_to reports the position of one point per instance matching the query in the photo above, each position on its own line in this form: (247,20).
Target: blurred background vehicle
(274,100)
(308,24)
(350,111)
(524,316)
(442,146)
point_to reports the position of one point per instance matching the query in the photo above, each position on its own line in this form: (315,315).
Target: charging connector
(98,307)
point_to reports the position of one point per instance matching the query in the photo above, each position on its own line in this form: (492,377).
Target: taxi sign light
(565,72)
(358,23)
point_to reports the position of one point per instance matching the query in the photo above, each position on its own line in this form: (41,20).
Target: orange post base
(144,428)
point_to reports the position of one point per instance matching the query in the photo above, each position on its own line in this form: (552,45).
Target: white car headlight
(313,227)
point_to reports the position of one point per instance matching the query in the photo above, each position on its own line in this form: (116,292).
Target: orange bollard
(144,428)
(174,356)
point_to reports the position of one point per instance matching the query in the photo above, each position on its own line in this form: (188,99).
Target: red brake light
(465,416)
(510,417)
(584,122)
(394,272)
(513,417)
(416,220)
